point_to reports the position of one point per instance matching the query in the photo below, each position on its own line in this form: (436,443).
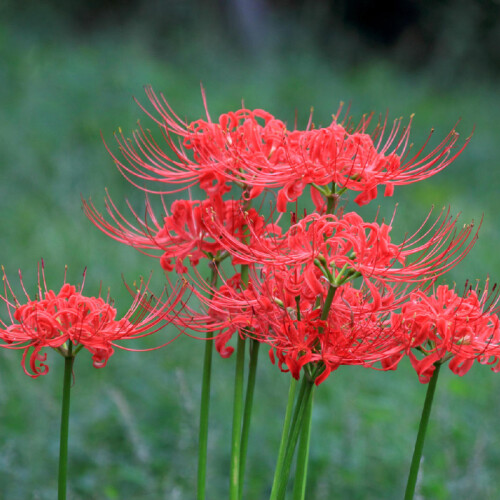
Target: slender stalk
(234,474)
(294,435)
(244,274)
(328,302)
(247,414)
(204,412)
(234,487)
(284,436)
(205,407)
(299,487)
(63,442)
(419,444)
(303,406)
(331,204)
(298,405)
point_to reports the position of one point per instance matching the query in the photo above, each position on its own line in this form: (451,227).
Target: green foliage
(133,424)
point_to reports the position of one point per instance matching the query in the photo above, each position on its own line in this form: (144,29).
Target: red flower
(277,308)
(253,148)
(355,330)
(52,319)
(446,326)
(186,231)
(346,243)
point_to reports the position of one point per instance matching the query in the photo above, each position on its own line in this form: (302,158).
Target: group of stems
(242,411)
(205,403)
(297,423)
(242,408)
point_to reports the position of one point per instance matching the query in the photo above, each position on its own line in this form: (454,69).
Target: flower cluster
(447,326)
(68,321)
(254,149)
(327,290)
(186,233)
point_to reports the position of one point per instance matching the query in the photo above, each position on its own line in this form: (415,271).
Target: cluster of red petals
(253,148)
(355,330)
(257,149)
(285,303)
(338,341)
(269,309)
(365,325)
(52,319)
(445,326)
(188,231)
(347,241)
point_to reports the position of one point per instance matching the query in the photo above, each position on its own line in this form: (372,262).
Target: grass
(133,424)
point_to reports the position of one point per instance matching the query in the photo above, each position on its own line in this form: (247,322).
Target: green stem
(234,487)
(328,302)
(331,204)
(244,275)
(205,406)
(299,487)
(298,405)
(236,440)
(332,200)
(284,436)
(419,444)
(204,411)
(63,442)
(296,427)
(247,414)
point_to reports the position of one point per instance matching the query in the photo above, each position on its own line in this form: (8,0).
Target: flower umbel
(447,326)
(54,319)
(253,148)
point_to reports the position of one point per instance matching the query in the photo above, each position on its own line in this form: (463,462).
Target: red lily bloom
(337,341)
(186,230)
(253,148)
(356,329)
(346,243)
(53,319)
(446,326)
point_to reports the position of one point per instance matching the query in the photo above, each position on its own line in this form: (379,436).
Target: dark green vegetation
(133,426)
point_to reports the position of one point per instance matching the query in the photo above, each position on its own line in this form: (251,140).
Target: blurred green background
(68,71)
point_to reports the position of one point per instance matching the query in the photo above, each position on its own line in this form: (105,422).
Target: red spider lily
(253,148)
(446,326)
(329,344)
(356,330)
(346,243)
(53,319)
(184,231)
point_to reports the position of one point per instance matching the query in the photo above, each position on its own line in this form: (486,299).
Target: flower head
(345,242)
(446,326)
(68,321)
(255,150)
(186,233)
(305,329)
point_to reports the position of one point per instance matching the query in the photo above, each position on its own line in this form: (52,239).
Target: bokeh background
(68,71)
